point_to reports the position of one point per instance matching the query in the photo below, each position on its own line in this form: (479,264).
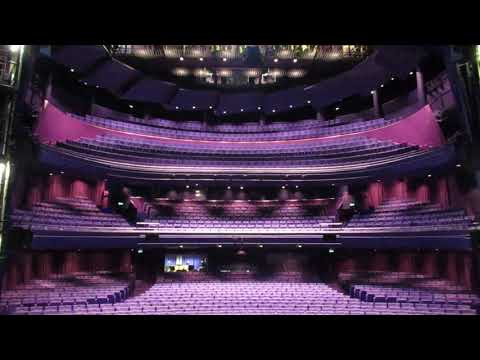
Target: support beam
(377,107)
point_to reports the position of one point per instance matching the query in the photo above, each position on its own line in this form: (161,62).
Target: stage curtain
(422,193)
(406,262)
(442,193)
(429,264)
(452,273)
(35,191)
(375,193)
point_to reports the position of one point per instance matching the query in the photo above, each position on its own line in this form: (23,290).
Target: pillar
(379,262)
(452,274)
(48,89)
(321,116)
(467,270)
(406,262)
(420,88)
(377,107)
(429,264)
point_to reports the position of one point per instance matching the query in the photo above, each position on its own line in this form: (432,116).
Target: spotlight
(337,108)
(130,106)
(296,186)
(120,203)
(176,107)
(97,86)
(299,246)
(72,70)
(333,184)
(201,59)
(241,110)
(392,78)
(295,60)
(273,110)
(194,107)
(259,108)
(241,187)
(210,107)
(181,58)
(224,112)
(61,172)
(180,246)
(228,187)
(283,187)
(458,165)
(224,59)
(381,85)
(140,251)
(331,251)
(85,83)
(290,106)
(51,174)
(309,101)
(429,175)
(275,60)
(15,48)
(372,92)
(411,72)
(196,185)
(188,186)
(219,245)
(260,246)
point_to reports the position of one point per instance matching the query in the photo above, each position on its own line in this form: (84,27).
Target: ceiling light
(228,187)
(381,85)
(61,172)
(97,86)
(51,174)
(283,187)
(411,72)
(224,59)
(372,92)
(241,110)
(296,186)
(181,58)
(290,106)
(120,203)
(392,78)
(273,110)
(210,107)
(188,186)
(224,112)
(295,60)
(337,108)
(219,245)
(196,185)
(241,187)
(130,106)
(201,59)
(85,83)
(176,107)
(259,108)
(309,101)
(194,107)
(275,60)
(331,251)
(459,165)
(299,246)
(429,175)
(333,184)
(260,246)
(72,70)
(180,246)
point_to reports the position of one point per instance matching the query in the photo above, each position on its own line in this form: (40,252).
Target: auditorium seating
(395,213)
(64,213)
(332,153)
(238,216)
(282,131)
(66,293)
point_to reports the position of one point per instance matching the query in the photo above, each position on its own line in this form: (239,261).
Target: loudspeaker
(329,238)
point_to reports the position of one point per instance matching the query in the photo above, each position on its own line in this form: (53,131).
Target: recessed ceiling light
(196,185)
(61,172)
(283,187)
(181,58)
(228,187)
(372,92)
(296,186)
(50,174)
(85,83)
(97,86)
(295,60)
(333,184)
(180,246)
(275,60)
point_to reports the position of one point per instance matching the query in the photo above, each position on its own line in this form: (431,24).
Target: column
(420,87)
(429,264)
(48,89)
(321,116)
(377,107)
(452,274)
